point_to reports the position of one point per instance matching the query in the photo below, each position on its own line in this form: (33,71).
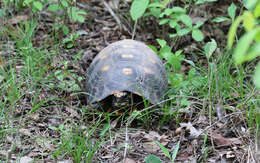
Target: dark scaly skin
(124,100)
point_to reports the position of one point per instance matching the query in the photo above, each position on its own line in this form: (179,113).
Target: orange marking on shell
(128,46)
(152,60)
(103,57)
(127,71)
(127,56)
(147,70)
(105,68)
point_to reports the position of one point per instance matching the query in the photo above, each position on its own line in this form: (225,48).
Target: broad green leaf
(2,13)
(176,149)
(253,52)
(232,31)
(189,62)
(65,30)
(257,76)
(248,21)
(105,129)
(152,159)
(162,43)
(197,35)
(1,78)
(178,52)
(249,4)
(220,19)
(155,12)
(174,60)
(178,10)
(165,2)
(155,4)
(257,37)
(198,24)
(166,53)
(173,35)
(70,45)
(61,127)
(168,11)
(72,12)
(165,150)
(257,10)
(27,2)
(153,48)
(164,21)
(243,45)
(65,41)
(37,5)
(173,23)
(203,1)
(54,7)
(80,12)
(183,31)
(232,11)
(80,18)
(53,128)
(138,8)
(186,20)
(64,3)
(210,47)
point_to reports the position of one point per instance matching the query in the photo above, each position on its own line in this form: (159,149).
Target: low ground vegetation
(210,112)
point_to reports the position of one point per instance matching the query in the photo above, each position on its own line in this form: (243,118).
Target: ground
(209,115)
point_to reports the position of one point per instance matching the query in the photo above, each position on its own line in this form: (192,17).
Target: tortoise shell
(126,65)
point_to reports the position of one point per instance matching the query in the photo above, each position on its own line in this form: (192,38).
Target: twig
(133,34)
(126,143)
(115,16)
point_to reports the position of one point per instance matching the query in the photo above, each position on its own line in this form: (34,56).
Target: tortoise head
(121,99)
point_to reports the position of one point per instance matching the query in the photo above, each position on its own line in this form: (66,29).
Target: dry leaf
(152,135)
(26,159)
(114,4)
(18,19)
(65,161)
(230,154)
(25,131)
(151,147)
(223,142)
(192,130)
(114,123)
(129,160)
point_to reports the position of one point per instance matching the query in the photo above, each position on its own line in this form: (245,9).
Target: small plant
(231,13)
(248,45)
(78,143)
(152,159)
(35,5)
(175,17)
(173,67)
(205,148)
(173,59)
(155,159)
(74,13)
(70,42)
(167,153)
(178,20)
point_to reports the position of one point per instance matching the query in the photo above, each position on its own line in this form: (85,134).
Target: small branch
(126,143)
(133,34)
(115,16)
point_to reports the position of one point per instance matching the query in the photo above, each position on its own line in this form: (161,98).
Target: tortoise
(125,68)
